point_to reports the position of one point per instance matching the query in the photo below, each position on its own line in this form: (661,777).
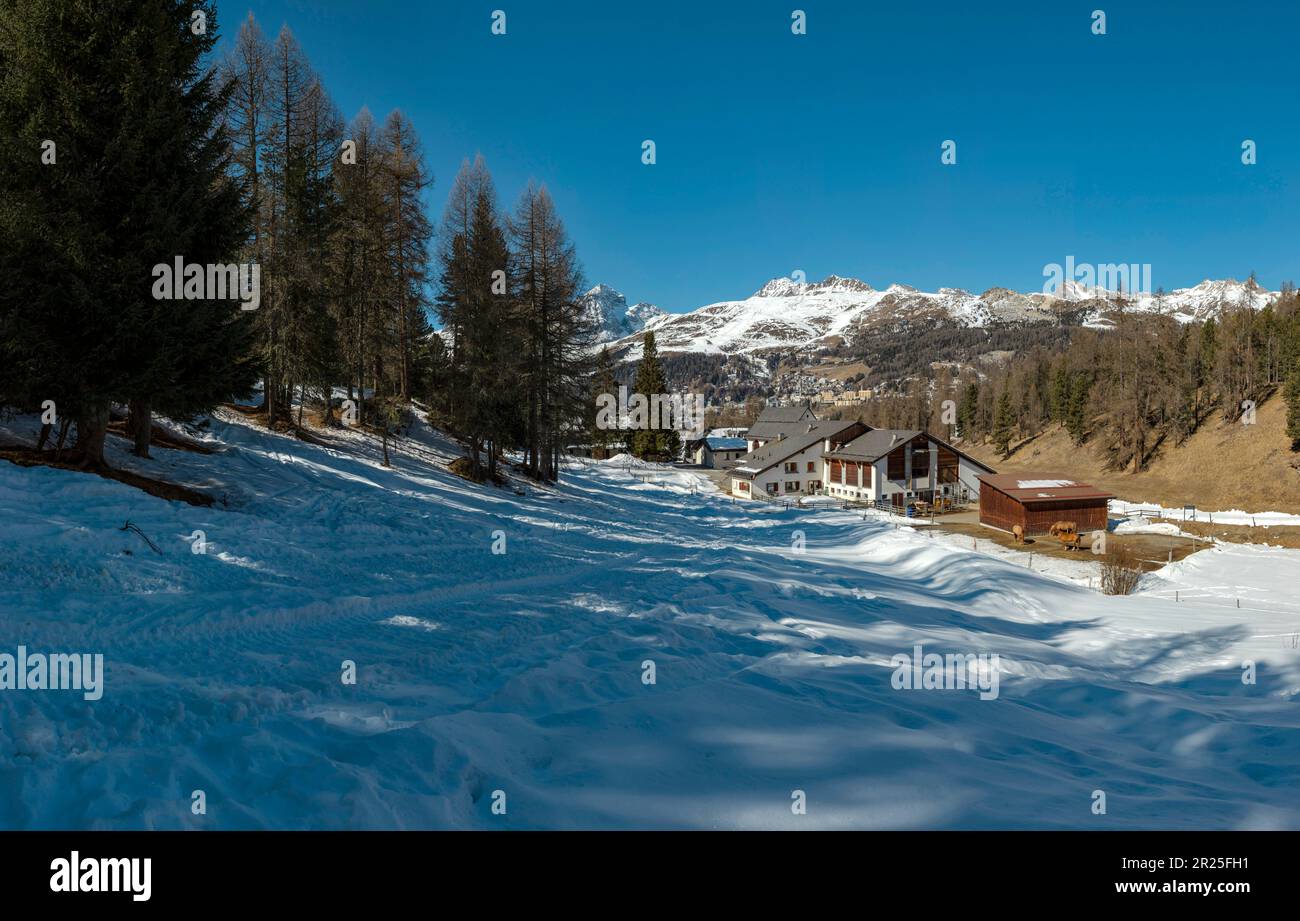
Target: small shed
(1037,502)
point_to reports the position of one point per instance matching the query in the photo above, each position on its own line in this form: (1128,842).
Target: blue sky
(821,152)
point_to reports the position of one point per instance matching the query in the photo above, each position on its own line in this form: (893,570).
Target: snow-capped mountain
(614,319)
(789,314)
(1208,299)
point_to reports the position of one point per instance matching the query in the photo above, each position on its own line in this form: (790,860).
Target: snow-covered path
(522,671)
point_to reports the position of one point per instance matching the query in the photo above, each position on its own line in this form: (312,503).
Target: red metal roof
(1028,488)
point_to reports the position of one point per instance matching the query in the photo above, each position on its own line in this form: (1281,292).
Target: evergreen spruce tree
(1076,413)
(1292,396)
(1209,347)
(603,383)
(1003,424)
(136,178)
(653,439)
(968,411)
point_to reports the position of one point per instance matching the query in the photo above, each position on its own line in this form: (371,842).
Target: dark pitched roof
(875,443)
(1028,489)
(879,442)
(774,421)
(804,436)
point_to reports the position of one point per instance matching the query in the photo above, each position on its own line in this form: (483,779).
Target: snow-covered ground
(1208,516)
(770,633)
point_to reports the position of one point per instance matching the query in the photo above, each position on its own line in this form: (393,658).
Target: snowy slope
(787,314)
(522,672)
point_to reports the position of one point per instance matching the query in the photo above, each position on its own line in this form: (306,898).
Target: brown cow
(1064,527)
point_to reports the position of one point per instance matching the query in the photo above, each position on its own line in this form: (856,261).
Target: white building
(792,464)
(900,467)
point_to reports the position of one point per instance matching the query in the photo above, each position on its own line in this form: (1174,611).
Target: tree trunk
(92,426)
(63,435)
(140,424)
(44,436)
(327,394)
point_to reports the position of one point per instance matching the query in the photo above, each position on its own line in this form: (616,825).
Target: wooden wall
(999,510)
(1002,511)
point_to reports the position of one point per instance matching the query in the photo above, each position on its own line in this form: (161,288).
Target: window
(921,463)
(792,467)
(773,488)
(896,464)
(742,485)
(812,466)
(792,486)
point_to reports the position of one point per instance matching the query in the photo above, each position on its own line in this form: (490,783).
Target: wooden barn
(1035,503)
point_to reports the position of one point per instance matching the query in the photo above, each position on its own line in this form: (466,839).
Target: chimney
(893,439)
(809,429)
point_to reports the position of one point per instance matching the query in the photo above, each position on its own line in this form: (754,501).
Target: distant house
(715,451)
(775,421)
(792,463)
(852,397)
(901,466)
(1036,503)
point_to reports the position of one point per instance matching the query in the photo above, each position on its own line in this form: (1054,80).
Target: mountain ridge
(789,314)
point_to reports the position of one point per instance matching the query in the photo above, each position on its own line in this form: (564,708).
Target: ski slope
(522,672)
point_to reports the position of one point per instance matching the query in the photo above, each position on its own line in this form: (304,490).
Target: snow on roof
(1046,489)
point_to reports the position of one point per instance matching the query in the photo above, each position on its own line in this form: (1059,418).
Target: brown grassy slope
(1223,466)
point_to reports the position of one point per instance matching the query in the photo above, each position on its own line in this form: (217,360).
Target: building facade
(901,467)
(793,464)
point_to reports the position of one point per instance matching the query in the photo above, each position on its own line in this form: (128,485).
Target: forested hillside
(1125,395)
